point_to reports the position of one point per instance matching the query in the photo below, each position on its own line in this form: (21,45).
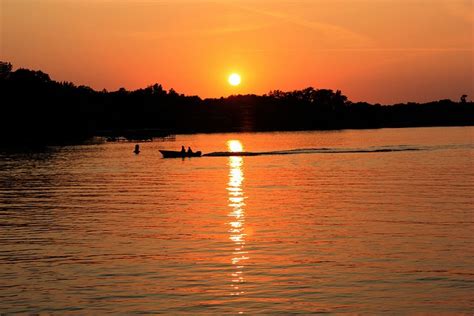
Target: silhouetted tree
(5,69)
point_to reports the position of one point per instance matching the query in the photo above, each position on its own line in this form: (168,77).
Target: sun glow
(235,146)
(234,79)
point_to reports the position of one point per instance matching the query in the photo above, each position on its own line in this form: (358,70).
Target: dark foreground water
(352,221)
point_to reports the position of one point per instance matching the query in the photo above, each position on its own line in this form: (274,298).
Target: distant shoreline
(38,110)
(173,135)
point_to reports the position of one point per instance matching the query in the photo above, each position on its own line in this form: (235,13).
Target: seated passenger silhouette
(190,151)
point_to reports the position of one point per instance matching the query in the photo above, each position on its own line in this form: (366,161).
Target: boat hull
(179,154)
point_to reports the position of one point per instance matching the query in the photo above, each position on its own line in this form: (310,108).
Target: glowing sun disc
(234,79)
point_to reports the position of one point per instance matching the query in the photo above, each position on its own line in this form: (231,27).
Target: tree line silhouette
(37,110)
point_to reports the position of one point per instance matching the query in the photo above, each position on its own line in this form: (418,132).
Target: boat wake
(315,151)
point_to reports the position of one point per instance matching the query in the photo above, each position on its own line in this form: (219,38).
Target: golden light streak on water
(237,217)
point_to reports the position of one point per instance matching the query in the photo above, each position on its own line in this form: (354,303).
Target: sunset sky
(383,51)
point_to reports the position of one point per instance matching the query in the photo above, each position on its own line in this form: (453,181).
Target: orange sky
(373,50)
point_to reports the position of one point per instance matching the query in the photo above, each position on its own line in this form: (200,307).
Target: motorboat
(179,154)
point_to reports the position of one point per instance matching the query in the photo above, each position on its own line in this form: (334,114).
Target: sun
(234,79)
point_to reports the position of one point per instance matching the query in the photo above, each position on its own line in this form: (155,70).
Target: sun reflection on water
(235,146)
(237,217)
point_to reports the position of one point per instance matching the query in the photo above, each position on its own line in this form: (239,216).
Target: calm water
(339,225)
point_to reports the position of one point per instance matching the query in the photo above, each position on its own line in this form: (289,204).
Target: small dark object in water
(137,149)
(179,154)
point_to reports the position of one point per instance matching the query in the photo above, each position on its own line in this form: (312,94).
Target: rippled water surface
(365,221)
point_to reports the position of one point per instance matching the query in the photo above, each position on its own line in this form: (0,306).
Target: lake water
(365,221)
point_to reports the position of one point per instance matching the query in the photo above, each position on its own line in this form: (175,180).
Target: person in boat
(183,151)
(137,149)
(189,152)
